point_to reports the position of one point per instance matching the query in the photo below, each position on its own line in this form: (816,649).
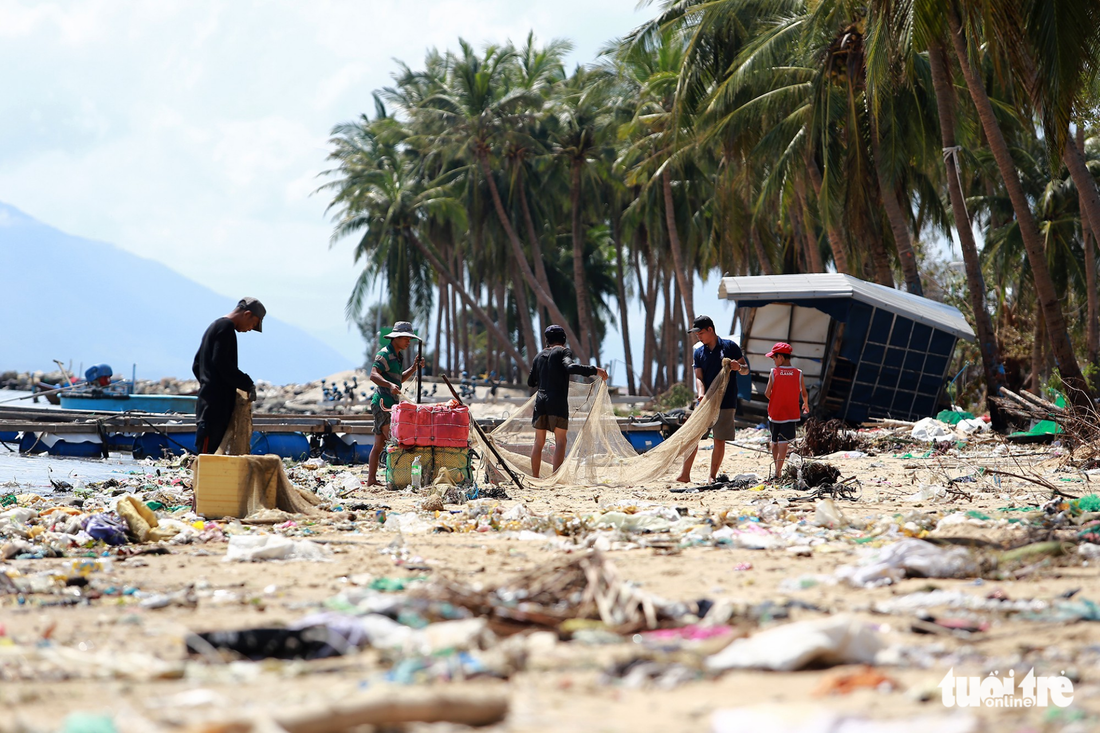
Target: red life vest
(783,406)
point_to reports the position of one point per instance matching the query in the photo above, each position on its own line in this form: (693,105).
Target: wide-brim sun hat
(780,348)
(402,328)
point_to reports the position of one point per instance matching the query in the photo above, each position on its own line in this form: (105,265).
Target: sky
(193,132)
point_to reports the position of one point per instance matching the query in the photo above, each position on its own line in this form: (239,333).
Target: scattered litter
(248,548)
(823,642)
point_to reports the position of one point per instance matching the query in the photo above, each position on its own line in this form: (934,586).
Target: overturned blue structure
(866,351)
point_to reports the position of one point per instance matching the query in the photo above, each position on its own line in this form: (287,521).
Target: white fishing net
(597,451)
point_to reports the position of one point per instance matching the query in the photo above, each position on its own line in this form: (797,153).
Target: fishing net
(597,451)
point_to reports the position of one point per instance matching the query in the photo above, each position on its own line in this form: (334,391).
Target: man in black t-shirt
(219,378)
(550,375)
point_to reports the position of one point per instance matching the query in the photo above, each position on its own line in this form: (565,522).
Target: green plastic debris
(953,418)
(1090,503)
(394,585)
(156,506)
(8,500)
(975,514)
(87,723)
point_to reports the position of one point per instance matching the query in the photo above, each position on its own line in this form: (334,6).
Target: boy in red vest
(785,386)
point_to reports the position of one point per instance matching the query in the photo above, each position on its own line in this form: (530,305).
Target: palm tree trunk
(671,316)
(674,246)
(542,295)
(452,322)
(761,255)
(441,305)
(536,245)
(649,301)
(479,313)
(502,314)
(523,308)
(1045,291)
(836,239)
(1089,203)
(1037,355)
(894,212)
(620,291)
(1091,242)
(992,366)
(880,258)
(814,251)
(580,280)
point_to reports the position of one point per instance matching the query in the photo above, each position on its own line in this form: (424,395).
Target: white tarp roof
(781,288)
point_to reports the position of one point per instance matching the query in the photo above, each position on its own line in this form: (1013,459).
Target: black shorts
(550,422)
(783,432)
(382,417)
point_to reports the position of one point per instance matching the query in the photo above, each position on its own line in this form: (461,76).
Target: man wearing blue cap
(550,375)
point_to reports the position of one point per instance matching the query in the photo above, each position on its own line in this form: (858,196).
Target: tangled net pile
(598,453)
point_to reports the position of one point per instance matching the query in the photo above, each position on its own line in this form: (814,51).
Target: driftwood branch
(388,708)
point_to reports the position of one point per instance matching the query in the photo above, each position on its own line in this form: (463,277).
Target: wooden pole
(484,437)
(419,351)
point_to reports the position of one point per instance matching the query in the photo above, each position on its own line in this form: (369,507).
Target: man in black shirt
(550,374)
(219,378)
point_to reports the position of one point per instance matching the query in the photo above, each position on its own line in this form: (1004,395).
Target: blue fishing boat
(98,392)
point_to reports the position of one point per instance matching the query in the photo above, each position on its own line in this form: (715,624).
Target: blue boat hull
(346,449)
(285,445)
(155,445)
(30,443)
(161,403)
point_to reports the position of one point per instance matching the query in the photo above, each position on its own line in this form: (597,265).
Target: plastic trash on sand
(909,558)
(931,430)
(794,719)
(977,425)
(246,548)
(828,514)
(823,642)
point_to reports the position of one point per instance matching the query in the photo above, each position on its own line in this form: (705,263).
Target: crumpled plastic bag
(106,527)
(248,548)
(931,430)
(977,425)
(909,558)
(835,640)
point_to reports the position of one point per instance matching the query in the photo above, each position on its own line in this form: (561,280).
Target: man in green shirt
(387,375)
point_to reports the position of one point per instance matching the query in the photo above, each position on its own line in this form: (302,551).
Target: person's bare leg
(536,452)
(685,474)
(716,459)
(561,435)
(376,455)
(780,456)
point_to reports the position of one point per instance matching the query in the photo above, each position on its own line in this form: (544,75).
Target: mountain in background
(69,298)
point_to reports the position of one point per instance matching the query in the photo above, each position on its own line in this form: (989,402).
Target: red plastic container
(403,425)
(451,425)
(439,425)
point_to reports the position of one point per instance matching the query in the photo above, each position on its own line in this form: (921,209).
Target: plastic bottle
(416,473)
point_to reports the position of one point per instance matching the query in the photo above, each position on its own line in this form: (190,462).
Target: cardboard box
(228,486)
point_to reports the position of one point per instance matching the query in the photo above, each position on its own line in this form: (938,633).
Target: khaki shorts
(550,422)
(724,428)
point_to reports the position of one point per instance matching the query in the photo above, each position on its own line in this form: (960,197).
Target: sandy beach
(112,655)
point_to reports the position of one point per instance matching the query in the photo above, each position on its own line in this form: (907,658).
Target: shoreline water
(24,472)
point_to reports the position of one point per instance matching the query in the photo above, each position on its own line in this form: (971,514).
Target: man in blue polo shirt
(708,365)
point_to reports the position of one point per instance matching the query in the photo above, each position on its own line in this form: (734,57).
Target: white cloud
(192,132)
